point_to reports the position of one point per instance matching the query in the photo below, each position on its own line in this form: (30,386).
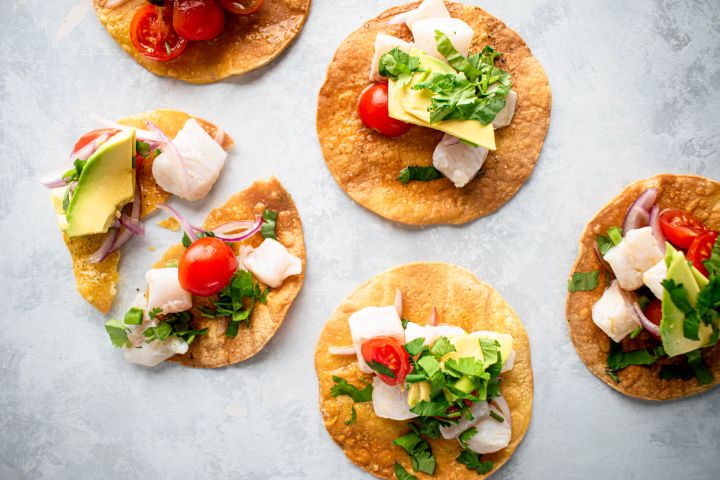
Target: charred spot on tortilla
(370,167)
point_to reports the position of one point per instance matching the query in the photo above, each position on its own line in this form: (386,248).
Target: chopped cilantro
(381,368)
(618,360)
(419,450)
(134,316)
(415,347)
(583,281)
(118,333)
(615,234)
(700,369)
(712,264)
(679,296)
(399,66)
(353,416)
(497,416)
(237,301)
(342,387)
(402,474)
(267,230)
(420,174)
(669,372)
(154,312)
(636,332)
(473,462)
(442,347)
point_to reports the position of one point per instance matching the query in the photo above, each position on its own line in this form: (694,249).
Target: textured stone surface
(636,91)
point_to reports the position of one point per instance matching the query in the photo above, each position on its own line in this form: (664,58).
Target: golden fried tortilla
(697,195)
(248,42)
(214,349)
(97,282)
(461,300)
(366,164)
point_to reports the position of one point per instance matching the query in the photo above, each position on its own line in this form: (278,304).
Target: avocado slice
(671,325)
(106,184)
(411,106)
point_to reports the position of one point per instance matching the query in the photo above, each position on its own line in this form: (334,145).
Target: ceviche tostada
(643,306)
(433,112)
(202,41)
(218,298)
(117,175)
(425,372)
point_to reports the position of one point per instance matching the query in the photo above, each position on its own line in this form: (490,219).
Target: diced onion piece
(398,302)
(341,351)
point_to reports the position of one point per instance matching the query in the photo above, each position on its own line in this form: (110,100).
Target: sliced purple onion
(107,245)
(341,351)
(187,227)
(449,140)
(655,225)
(239,237)
(651,328)
(230,227)
(119,237)
(52,181)
(132,224)
(398,302)
(638,215)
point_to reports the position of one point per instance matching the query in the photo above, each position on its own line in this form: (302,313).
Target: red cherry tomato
(389,352)
(701,249)
(206,267)
(153,35)
(373,111)
(242,7)
(90,136)
(653,311)
(680,227)
(198,19)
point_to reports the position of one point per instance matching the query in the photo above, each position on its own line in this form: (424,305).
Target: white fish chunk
(390,402)
(427,9)
(491,435)
(271,263)
(166,292)
(479,411)
(458,161)
(613,314)
(371,322)
(459,33)
(654,277)
(192,176)
(155,352)
(636,254)
(383,44)
(430,332)
(505,116)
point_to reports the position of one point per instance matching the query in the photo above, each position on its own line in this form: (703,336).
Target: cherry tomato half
(198,19)
(206,267)
(373,111)
(90,136)
(153,35)
(653,311)
(389,352)
(701,249)
(242,7)
(680,227)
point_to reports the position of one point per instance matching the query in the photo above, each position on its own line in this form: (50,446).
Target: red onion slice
(651,328)
(243,235)
(433,317)
(655,225)
(132,224)
(398,302)
(341,351)
(186,226)
(449,140)
(504,407)
(107,245)
(230,227)
(56,180)
(638,215)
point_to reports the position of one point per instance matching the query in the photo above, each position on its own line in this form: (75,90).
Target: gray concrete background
(636,91)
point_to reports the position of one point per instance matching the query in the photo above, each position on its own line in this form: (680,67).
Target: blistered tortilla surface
(248,42)
(366,164)
(97,282)
(697,195)
(462,300)
(214,349)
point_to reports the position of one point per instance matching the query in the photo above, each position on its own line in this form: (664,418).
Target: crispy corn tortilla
(214,349)
(97,282)
(248,42)
(461,300)
(697,195)
(366,164)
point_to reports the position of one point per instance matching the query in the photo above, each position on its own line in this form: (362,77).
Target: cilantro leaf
(398,66)
(473,462)
(429,426)
(381,368)
(491,352)
(700,369)
(237,301)
(442,347)
(466,366)
(669,372)
(353,416)
(429,364)
(583,281)
(679,296)
(618,360)
(415,347)
(431,409)
(267,230)
(420,174)
(118,333)
(342,387)
(402,474)
(615,235)
(712,264)
(466,436)
(604,244)
(186,240)
(419,451)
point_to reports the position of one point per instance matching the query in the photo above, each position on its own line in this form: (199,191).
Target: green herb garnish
(419,174)
(473,462)
(118,333)
(353,416)
(134,316)
(267,230)
(583,281)
(402,474)
(398,66)
(237,301)
(419,450)
(342,387)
